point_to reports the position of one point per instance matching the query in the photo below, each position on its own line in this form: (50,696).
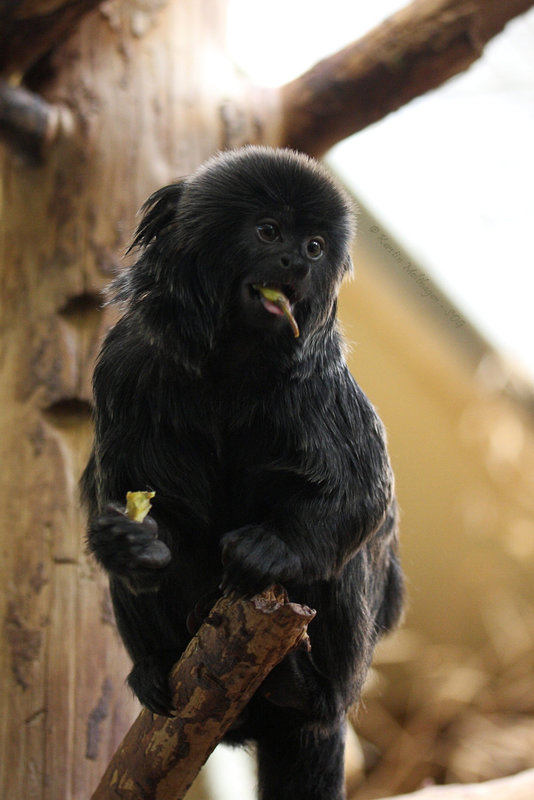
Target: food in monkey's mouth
(276,302)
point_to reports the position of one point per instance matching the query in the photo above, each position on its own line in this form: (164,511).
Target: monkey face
(285,228)
(281,276)
(257,239)
(290,267)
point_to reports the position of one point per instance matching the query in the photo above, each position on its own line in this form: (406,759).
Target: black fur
(268,462)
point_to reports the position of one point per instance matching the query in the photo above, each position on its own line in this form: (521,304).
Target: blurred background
(439,324)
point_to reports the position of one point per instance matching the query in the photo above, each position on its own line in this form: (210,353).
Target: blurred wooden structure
(461,432)
(518,787)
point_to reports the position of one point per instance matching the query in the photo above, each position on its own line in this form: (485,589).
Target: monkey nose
(299,269)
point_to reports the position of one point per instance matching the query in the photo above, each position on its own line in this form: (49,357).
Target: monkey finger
(156,556)
(140,537)
(233,582)
(150,524)
(110,509)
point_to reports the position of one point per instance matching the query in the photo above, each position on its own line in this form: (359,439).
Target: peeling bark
(234,650)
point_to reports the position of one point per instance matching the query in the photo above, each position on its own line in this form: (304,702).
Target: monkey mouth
(278,301)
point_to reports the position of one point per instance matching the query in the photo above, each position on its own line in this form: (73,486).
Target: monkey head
(256,240)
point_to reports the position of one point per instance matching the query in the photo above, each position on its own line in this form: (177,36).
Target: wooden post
(149,96)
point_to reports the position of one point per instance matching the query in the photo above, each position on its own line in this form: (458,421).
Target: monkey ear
(159,212)
(164,278)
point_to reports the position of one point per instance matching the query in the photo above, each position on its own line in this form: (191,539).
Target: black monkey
(224,388)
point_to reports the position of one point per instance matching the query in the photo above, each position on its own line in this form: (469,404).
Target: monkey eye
(268,231)
(315,247)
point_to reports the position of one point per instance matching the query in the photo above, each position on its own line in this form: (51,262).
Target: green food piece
(138,505)
(279,299)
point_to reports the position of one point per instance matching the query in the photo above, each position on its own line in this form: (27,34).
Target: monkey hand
(131,550)
(254,558)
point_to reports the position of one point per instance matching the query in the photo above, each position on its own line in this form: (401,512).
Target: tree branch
(28,124)
(515,787)
(225,663)
(416,50)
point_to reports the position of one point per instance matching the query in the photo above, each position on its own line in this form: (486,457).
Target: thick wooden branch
(516,787)
(30,28)
(28,124)
(416,50)
(225,663)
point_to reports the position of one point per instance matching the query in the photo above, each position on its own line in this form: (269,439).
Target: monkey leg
(302,763)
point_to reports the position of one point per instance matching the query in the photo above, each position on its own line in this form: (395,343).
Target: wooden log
(234,650)
(416,50)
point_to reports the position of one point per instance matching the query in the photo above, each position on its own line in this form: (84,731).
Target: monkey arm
(333,492)
(311,542)
(309,535)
